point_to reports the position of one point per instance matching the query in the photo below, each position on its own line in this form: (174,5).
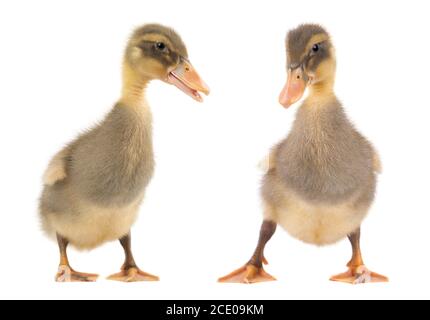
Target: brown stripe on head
(301,39)
(152,31)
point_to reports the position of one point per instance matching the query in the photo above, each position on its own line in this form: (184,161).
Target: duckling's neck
(133,90)
(320,94)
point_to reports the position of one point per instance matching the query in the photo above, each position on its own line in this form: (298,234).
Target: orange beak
(186,78)
(294,88)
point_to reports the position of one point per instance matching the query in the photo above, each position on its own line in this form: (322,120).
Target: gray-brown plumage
(323,159)
(93,187)
(321,179)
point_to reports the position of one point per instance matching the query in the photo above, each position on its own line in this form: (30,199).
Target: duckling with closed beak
(94,187)
(321,179)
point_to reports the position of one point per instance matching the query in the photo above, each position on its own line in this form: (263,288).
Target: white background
(60,73)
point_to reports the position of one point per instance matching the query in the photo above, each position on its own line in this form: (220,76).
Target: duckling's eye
(160,46)
(315,48)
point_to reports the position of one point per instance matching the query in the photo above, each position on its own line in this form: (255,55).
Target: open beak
(294,88)
(186,78)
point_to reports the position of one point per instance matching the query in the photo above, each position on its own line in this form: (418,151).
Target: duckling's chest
(130,170)
(115,164)
(324,159)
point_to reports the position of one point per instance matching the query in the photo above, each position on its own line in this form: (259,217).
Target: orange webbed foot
(248,274)
(359,275)
(67,274)
(133,275)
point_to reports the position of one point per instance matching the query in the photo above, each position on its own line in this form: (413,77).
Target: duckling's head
(311,62)
(158,52)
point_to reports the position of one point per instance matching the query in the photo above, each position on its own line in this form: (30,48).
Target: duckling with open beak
(93,188)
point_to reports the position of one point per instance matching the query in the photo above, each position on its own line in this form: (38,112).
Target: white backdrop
(60,73)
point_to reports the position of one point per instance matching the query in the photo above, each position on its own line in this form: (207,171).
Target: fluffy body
(322,180)
(94,186)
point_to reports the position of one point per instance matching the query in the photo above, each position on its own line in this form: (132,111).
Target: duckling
(320,180)
(93,188)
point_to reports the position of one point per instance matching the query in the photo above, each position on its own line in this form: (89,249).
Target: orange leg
(129,271)
(65,272)
(357,272)
(253,271)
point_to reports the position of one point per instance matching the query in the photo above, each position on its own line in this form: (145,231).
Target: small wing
(268,162)
(56,170)
(377,164)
